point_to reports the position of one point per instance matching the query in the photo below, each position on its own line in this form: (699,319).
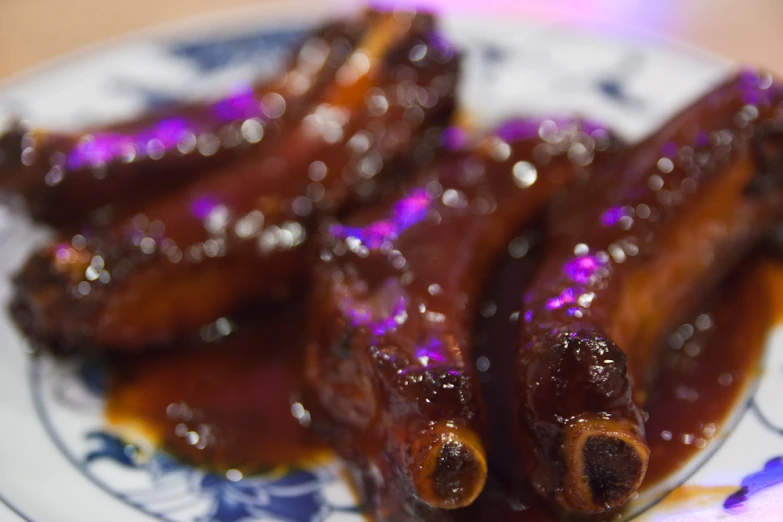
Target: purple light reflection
(758,89)
(591,127)
(203,206)
(64,252)
(702,139)
(518,129)
(105,147)
(430,353)
(454,138)
(102,148)
(412,209)
(99,150)
(438,41)
(529,128)
(382,313)
(612,216)
(582,269)
(750,85)
(239,105)
(377,326)
(669,150)
(567,296)
(169,131)
(406,213)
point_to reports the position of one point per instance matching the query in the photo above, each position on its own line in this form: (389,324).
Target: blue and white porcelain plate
(58,461)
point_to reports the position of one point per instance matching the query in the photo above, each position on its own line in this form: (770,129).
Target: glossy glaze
(388,369)
(240,232)
(653,233)
(706,365)
(99,174)
(224,400)
(228,400)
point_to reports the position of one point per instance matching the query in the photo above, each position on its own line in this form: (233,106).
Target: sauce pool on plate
(230,403)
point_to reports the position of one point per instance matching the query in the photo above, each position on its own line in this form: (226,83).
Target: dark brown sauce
(707,366)
(225,404)
(701,378)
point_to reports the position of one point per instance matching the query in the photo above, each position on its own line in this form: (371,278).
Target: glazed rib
(65,179)
(388,370)
(652,235)
(239,233)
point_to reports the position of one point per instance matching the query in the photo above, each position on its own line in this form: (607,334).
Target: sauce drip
(223,404)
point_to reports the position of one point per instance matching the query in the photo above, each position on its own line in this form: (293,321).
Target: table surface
(33,31)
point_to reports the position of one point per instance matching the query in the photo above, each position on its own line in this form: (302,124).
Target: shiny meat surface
(652,235)
(240,233)
(388,370)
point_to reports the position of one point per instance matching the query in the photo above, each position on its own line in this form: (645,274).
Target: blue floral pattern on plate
(294,495)
(515,68)
(174,491)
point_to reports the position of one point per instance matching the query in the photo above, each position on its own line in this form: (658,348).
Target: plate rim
(242,18)
(247,17)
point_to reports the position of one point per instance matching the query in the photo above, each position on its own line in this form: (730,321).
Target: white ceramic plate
(58,463)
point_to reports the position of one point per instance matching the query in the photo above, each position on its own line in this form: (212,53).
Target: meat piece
(63,179)
(389,379)
(699,389)
(239,234)
(628,253)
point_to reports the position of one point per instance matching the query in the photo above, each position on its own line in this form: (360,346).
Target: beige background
(32,31)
